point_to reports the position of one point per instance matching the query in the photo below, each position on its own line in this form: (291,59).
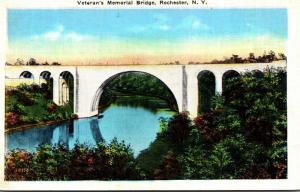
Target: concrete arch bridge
(88,81)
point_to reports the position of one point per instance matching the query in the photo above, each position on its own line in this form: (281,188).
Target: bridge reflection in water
(67,133)
(137,126)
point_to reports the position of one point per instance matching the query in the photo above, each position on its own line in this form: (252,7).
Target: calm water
(137,126)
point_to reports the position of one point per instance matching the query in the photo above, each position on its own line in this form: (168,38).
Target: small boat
(100,115)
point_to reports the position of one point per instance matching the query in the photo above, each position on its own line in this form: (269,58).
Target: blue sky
(159,32)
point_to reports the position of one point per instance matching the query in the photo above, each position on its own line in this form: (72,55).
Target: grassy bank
(28,105)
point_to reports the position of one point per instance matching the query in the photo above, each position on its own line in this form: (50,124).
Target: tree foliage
(30,104)
(103,162)
(242,137)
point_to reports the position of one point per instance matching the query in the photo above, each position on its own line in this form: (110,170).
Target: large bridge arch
(98,94)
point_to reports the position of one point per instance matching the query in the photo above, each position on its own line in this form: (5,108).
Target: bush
(51,163)
(103,162)
(169,168)
(179,127)
(12,119)
(18,166)
(51,107)
(74,116)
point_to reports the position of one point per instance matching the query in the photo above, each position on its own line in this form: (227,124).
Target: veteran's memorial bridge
(89,81)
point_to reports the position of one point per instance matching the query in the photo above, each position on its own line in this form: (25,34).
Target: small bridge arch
(206,89)
(66,87)
(45,77)
(26,75)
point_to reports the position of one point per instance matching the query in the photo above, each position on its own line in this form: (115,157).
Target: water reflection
(148,103)
(137,126)
(95,130)
(71,128)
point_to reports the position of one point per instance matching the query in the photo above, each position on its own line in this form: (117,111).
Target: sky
(91,37)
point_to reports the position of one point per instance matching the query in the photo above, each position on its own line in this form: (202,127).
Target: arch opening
(26,75)
(257,73)
(45,75)
(66,89)
(45,78)
(46,82)
(227,77)
(206,90)
(140,87)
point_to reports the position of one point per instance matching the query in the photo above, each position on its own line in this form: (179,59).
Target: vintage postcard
(166,94)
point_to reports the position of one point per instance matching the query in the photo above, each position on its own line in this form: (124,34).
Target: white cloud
(60,28)
(198,24)
(160,23)
(76,37)
(164,27)
(55,34)
(195,23)
(52,36)
(149,27)
(264,37)
(35,37)
(60,34)
(160,18)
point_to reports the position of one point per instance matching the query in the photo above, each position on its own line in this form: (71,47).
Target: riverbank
(35,125)
(31,106)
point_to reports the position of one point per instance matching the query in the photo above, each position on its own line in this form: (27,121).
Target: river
(136,125)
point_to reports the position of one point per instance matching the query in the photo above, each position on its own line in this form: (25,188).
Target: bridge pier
(219,83)
(192,94)
(56,90)
(184,89)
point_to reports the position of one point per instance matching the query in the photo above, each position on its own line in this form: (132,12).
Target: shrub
(15,107)
(169,167)
(103,162)
(179,127)
(12,119)
(18,166)
(209,127)
(29,119)
(51,163)
(74,116)
(195,164)
(24,87)
(51,107)
(82,161)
